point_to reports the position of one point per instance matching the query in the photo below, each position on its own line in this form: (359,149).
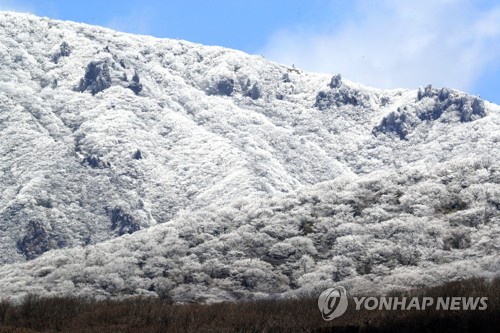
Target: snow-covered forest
(131,165)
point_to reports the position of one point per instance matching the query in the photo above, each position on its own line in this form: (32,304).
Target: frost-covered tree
(136,166)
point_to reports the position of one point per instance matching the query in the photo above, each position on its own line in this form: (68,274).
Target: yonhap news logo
(333,303)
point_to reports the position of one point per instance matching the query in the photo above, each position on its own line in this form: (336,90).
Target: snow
(247,186)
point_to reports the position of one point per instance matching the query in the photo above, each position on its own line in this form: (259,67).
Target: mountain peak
(176,154)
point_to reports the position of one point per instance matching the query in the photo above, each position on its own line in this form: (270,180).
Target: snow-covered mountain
(135,165)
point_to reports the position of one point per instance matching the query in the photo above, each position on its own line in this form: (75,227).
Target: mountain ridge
(108,137)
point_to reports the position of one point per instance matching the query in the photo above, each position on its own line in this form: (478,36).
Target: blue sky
(384,43)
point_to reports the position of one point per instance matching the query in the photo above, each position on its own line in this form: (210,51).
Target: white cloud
(392,43)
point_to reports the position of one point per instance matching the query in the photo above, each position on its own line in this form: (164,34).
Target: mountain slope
(104,134)
(372,233)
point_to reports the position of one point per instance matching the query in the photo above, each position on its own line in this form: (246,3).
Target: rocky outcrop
(64,51)
(400,122)
(122,222)
(252,90)
(97,78)
(96,162)
(135,85)
(339,95)
(432,104)
(468,108)
(36,241)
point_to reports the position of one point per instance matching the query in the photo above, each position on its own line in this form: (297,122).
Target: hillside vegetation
(136,166)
